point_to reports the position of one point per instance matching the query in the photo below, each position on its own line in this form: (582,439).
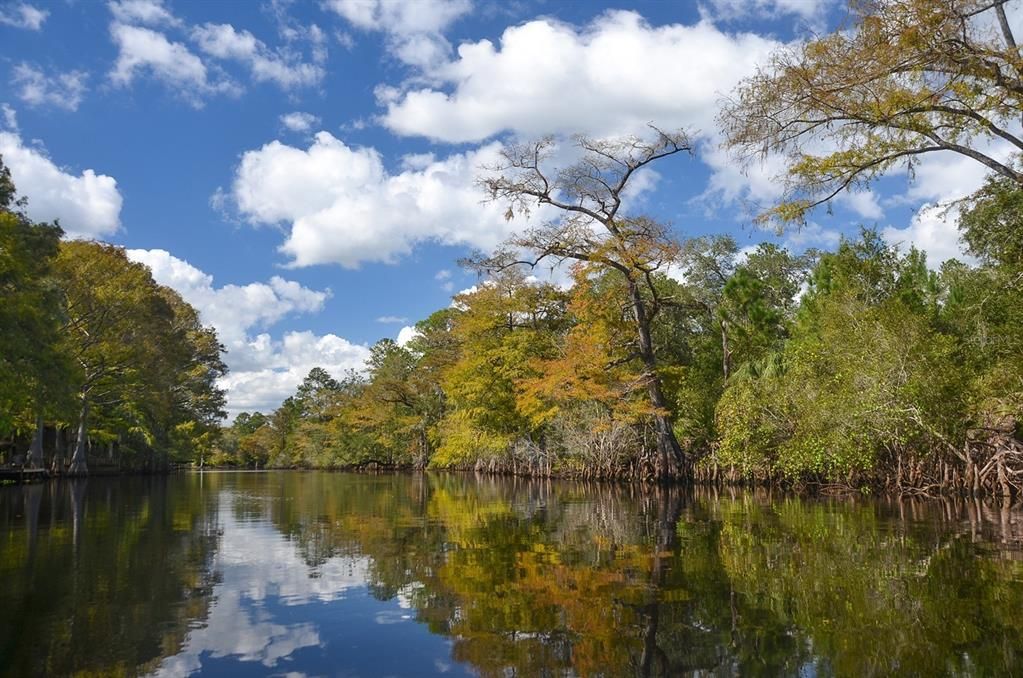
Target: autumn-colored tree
(589,390)
(500,329)
(902,79)
(590,227)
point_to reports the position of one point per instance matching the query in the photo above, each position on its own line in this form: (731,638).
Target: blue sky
(302,172)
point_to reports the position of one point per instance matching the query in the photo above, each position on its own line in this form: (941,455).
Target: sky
(304,172)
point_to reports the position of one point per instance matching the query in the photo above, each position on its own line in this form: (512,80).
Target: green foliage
(91,340)
(899,80)
(860,366)
(866,377)
(147,368)
(30,364)
(992,221)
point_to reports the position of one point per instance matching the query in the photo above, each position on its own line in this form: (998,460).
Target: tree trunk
(669,508)
(57,465)
(424,450)
(78,465)
(1003,22)
(33,494)
(76,489)
(35,452)
(671,462)
(726,354)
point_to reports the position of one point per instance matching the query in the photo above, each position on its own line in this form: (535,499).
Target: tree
(502,330)
(396,405)
(589,195)
(758,305)
(117,332)
(983,310)
(992,222)
(865,382)
(83,322)
(904,79)
(32,370)
(317,394)
(585,389)
(196,402)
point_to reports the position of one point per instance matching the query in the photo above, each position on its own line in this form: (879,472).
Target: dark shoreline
(809,489)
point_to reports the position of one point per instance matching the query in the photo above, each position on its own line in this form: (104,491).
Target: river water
(328,574)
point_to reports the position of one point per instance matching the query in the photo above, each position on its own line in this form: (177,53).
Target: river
(330,574)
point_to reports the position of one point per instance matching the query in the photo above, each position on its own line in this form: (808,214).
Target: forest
(859,367)
(650,355)
(99,365)
(666,357)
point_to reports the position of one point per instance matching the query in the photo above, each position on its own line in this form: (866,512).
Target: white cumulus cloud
(284,363)
(87,204)
(933,229)
(864,202)
(812,234)
(143,12)
(414,30)
(406,334)
(232,309)
(23,15)
(284,68)
(401,16)
(10,117)
(36,88)
(143,50)
(731,10)
(612,76)
(263,370)
(298,121)
(937,182)
(343,206)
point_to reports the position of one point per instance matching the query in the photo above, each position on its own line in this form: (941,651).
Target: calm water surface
(316,574)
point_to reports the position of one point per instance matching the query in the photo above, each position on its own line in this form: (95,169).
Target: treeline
(99,365)
(858,367)
(680,360)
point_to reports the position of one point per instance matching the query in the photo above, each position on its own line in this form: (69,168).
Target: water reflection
(255,566)
(100,577)
(332,574)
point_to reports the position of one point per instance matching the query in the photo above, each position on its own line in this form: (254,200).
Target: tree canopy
(92,342)
(899,81)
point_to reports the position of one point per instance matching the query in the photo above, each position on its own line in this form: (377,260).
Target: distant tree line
(99,365)
(854,367)
(672,358)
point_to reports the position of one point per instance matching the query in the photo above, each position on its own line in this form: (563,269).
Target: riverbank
(707,476)
(968,474)
(17,475)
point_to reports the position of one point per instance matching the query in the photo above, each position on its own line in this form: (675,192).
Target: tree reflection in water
(415,574)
